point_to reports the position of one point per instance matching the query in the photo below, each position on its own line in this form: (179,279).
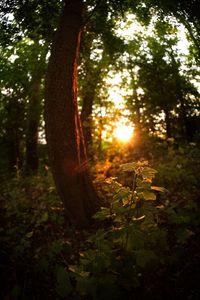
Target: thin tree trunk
(137,116)
(63,128)
(168,123)
(86,119)
(187,130)
(33,120)
(192,35)
(13,137)
(92,79)
(13,152)
(35,107)
(87,96)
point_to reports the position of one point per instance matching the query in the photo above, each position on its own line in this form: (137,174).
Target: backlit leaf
(148,173)
(148,195)
(159,189)
(139,219)
(129,167)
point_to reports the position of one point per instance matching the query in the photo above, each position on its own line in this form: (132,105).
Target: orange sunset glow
(123,133)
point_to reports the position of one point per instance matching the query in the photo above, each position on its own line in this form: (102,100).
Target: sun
(123,133)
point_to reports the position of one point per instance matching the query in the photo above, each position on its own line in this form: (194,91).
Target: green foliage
(127,203)
(31,214)
(116,254)
(129,248)
(176,170)
(64,287)
(135,240)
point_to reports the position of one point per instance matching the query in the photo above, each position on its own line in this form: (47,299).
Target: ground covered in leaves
(144,247)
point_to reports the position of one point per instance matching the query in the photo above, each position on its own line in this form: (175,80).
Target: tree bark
(63,128)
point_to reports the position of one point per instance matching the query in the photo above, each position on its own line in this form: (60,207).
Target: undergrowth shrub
(141,247)
(178,170)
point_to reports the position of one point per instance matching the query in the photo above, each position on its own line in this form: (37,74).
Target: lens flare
(123,133)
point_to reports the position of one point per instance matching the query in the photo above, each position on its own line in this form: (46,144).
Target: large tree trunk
(63,128)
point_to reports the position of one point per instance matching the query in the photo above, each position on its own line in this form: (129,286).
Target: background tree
(12,101)
(100,49)
(26,32)
(34,109)
(21,82)
(186,12)
(159,85)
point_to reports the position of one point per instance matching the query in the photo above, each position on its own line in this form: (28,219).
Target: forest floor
(151,251)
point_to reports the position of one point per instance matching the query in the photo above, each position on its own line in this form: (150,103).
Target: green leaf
(57,246)
(43,265)
(125,201)
(103,214)
(129,167)
(147,195)
(143,184)
(64,287)
(84,274)
(139,219)
(44,217)
(122,194)
(72,268)
(116,205)
(29,234)
(144,257)
(148,173)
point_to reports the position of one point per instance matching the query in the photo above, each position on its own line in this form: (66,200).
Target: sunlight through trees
(99,149)
(123,132)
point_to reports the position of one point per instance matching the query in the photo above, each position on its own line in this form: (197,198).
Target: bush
(144,246)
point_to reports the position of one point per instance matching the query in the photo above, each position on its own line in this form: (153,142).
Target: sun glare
(123,133)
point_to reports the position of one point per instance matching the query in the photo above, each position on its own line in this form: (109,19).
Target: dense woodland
(83,215)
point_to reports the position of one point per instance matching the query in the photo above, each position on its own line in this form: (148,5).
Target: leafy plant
(136,242)
(116,255)
(127,203)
